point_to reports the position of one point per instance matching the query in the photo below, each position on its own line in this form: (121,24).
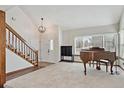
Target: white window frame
(103,35)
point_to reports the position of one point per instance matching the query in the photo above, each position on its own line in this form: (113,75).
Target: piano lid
(97,48)
(93,49)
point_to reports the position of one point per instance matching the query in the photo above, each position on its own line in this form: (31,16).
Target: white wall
(14,62)
(24,26)
(69,36)
(52,33)
(121,31)
(66,38)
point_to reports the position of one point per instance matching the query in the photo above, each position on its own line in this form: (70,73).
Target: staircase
(19,46)
(10,39)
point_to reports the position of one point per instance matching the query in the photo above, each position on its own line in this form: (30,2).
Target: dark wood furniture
(96,55)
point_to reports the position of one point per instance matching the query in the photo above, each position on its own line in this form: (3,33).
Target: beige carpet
(67,75)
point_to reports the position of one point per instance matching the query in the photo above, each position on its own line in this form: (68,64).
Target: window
(110,42)
(82,43)
(106,41)
(122,44)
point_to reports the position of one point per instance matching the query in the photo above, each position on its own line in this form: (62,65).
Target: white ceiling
(73,17)
(5,7)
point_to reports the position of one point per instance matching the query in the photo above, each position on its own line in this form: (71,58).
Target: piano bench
(93,63)
(106,62)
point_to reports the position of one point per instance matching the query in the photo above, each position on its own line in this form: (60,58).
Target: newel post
(37,57)
(2,49)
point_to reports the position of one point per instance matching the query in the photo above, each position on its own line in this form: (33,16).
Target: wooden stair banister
(2,49)
(20,37)
(18,45)
(10,39)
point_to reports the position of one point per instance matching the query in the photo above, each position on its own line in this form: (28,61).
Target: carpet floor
(68,75)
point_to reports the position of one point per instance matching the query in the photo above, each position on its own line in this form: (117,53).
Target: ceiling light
(41,28)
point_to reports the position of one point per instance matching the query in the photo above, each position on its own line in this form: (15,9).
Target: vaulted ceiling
(73,17)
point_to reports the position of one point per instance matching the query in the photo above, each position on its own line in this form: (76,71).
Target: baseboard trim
(19,70)
(121,67)
(121,58)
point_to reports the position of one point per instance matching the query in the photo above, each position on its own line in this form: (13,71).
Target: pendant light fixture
(41,28)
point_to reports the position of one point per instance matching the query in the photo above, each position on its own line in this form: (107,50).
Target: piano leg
(85,68)
(98,65)
(93,63)
(89,63)
(111,67)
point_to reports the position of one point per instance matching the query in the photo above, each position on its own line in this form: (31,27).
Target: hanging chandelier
(41,28)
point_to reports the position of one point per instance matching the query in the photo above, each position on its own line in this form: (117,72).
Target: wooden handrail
(10,39)
(20,37)
(18,45)
(2,49)
(14,32)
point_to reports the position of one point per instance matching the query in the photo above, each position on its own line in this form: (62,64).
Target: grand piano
(96,54)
